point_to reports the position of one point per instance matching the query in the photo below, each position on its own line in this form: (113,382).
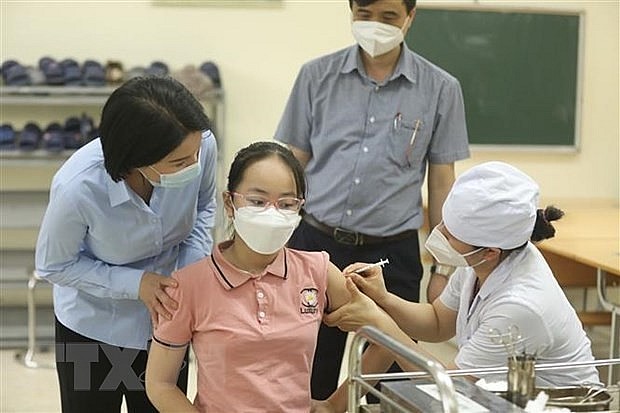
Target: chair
(27,358)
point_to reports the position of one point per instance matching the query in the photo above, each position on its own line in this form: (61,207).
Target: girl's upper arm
(164,363)
(337,292)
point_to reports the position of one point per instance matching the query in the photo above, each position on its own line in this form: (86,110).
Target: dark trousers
(94,376)
(402,277)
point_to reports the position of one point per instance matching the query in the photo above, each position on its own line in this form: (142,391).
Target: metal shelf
(67,95)
(54,95)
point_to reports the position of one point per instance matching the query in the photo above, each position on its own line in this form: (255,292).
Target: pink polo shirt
(254,336)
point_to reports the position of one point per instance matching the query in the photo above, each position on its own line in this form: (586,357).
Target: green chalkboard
(518,71)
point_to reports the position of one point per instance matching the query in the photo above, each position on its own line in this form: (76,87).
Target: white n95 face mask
(444,253)
(377,38)
(265,230)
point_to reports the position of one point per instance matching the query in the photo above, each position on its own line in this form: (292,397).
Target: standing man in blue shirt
(366,121)
(124,212)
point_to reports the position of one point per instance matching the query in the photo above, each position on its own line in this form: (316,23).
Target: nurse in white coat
(502,282)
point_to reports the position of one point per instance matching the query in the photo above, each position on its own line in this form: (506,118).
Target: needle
(381,263)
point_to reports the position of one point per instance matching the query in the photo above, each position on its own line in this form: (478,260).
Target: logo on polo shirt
(309,301)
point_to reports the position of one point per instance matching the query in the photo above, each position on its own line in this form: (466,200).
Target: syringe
(381,263)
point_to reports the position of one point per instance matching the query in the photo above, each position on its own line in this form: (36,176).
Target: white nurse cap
(492,205)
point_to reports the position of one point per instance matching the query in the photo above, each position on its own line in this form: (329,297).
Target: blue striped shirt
(362,175)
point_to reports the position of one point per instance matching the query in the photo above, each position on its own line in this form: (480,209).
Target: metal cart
(432,370)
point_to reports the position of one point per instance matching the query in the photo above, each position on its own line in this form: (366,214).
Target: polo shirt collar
(405,66)
(232,277)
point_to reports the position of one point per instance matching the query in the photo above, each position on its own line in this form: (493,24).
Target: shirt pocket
(408,142)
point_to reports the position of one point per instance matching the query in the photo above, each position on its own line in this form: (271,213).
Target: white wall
(259,50)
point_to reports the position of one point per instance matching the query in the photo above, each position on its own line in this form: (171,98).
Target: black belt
(344,236)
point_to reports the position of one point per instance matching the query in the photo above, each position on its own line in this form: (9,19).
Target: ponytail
(543,228)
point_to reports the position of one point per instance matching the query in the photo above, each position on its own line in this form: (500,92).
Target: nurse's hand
(153,295)
(321,406)
(359,311)
(370,282)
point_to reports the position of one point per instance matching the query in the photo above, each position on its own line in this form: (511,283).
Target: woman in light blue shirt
(125,211)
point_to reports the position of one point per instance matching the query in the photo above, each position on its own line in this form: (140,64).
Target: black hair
(144,120)
(258,151)
(409,4)
(543,229)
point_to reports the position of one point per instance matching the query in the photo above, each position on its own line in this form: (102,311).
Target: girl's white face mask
(265,231)
(377,38)
(439,247)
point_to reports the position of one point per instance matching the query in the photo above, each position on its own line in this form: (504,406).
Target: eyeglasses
(261,202)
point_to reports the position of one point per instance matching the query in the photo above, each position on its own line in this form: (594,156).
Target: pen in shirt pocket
(416,126)
(397,120)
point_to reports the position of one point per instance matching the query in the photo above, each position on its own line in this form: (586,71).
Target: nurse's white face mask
(439,247)
(377,38)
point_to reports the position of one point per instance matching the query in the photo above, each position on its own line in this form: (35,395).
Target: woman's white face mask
(265,230)
(176,179)
(377,38)
(439,247)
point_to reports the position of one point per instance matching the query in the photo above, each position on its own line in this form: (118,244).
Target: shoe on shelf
(6,64)
(53,138)
(114,73)
(93,73)
(157,68)
(30,137)
(210,69)
(14,74)
(78,131)
(53,71)
(7,137)
(73,135)
(72,72)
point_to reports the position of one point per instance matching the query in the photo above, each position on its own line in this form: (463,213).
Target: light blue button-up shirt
(366,170)
(98,237)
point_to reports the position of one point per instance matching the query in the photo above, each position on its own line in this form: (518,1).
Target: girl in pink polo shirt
(253,308)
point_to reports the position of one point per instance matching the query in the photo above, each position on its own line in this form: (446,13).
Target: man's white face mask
(378,38)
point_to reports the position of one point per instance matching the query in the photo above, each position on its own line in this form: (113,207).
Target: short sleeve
(481,350)
(295,125)
(177,332)
(451,294)
(450,142)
